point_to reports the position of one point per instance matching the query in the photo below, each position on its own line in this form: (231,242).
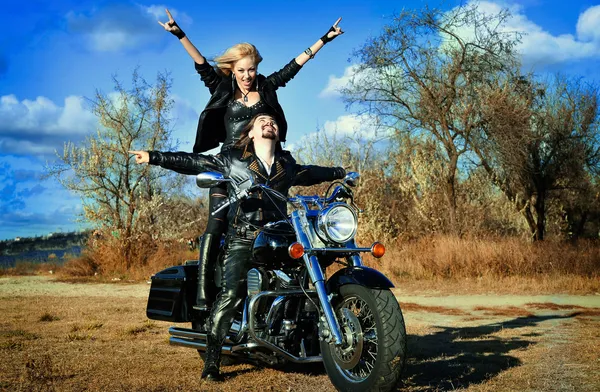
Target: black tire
(376,364)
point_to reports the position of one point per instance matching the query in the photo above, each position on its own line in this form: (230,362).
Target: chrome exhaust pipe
(182,342)
(188,333)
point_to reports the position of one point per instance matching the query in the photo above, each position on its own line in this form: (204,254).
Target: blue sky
(53,54)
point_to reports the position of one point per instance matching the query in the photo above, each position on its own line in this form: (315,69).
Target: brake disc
(348,354)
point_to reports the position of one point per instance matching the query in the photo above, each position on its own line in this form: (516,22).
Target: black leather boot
(212,362)
(209,250)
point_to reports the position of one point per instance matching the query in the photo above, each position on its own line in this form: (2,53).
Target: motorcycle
(350,321)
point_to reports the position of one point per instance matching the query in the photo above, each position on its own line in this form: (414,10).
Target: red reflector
(378,250)
(296,250)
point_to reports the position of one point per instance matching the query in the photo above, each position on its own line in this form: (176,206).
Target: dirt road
(73,337)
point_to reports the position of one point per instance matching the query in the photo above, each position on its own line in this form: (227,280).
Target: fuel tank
(271,245)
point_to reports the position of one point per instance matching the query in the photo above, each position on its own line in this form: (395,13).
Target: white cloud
(109,41)
(182,111)
(352,125)
(31,205)
(588,23)
(184,123)
(122,27)
(158,11)
(74,116)
(40,126)
(25,147)
(335,84)
(27,223)
(539,47)
(352,75)
(42,116)
(348,128)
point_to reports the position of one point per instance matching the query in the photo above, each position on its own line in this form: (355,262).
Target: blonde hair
(235,53)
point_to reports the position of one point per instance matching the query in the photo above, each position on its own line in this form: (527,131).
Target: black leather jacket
(245,168)
(211,125)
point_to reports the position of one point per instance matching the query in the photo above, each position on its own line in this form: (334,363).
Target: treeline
(473,145)
(142,217)
(53,241)
(455,141)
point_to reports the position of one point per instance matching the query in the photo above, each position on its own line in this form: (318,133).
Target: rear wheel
(373,352)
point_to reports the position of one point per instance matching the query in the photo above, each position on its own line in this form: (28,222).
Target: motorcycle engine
(282,280)
(256,281)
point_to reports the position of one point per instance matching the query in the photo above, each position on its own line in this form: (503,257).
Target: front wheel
(373,352)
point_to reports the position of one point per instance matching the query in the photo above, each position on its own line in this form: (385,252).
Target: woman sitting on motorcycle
(238,93)
(259,159)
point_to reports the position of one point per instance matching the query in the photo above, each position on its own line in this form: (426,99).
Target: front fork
(301,226)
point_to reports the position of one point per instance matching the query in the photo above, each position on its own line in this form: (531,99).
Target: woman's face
(245,72)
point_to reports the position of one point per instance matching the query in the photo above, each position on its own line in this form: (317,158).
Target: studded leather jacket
(245,168)
(211,126)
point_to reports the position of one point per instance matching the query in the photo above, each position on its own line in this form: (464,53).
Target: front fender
(363,276)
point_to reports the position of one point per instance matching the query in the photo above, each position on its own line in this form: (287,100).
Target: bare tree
(540,141)
(113,188)
(422,74)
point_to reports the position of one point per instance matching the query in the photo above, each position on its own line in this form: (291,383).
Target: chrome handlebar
(211,179)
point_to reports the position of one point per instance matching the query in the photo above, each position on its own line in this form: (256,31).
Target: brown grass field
(58,336)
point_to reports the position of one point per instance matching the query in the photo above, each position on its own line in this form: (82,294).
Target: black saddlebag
(173,293)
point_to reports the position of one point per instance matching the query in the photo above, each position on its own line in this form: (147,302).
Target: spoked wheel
(373,352)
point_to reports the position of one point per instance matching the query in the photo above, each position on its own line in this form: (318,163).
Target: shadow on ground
(452,357)
(458,357)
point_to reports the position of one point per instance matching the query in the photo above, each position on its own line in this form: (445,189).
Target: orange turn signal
(378,250)
(296,250)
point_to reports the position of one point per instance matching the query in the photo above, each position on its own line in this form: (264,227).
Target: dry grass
(451,257)
(586,312)
(507,311)
(127,352)
(501,285)
(105,343)
(103,262)
(552,306)
(501,265)
(48,317)
(81,266)
(409,306)
(23,268)
(436,264)
(106,259)
(146,326)
(492,264)
(90,326)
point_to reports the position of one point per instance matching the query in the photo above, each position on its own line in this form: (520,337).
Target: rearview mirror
(351,178)
(210,179)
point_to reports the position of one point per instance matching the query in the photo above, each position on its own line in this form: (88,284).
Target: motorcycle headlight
(337,222)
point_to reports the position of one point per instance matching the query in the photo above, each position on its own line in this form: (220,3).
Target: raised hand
(172,27)
(141,156)
(333,32)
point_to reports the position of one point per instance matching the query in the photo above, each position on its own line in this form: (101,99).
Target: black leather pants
(209,247)
(237,262)
(217,224)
